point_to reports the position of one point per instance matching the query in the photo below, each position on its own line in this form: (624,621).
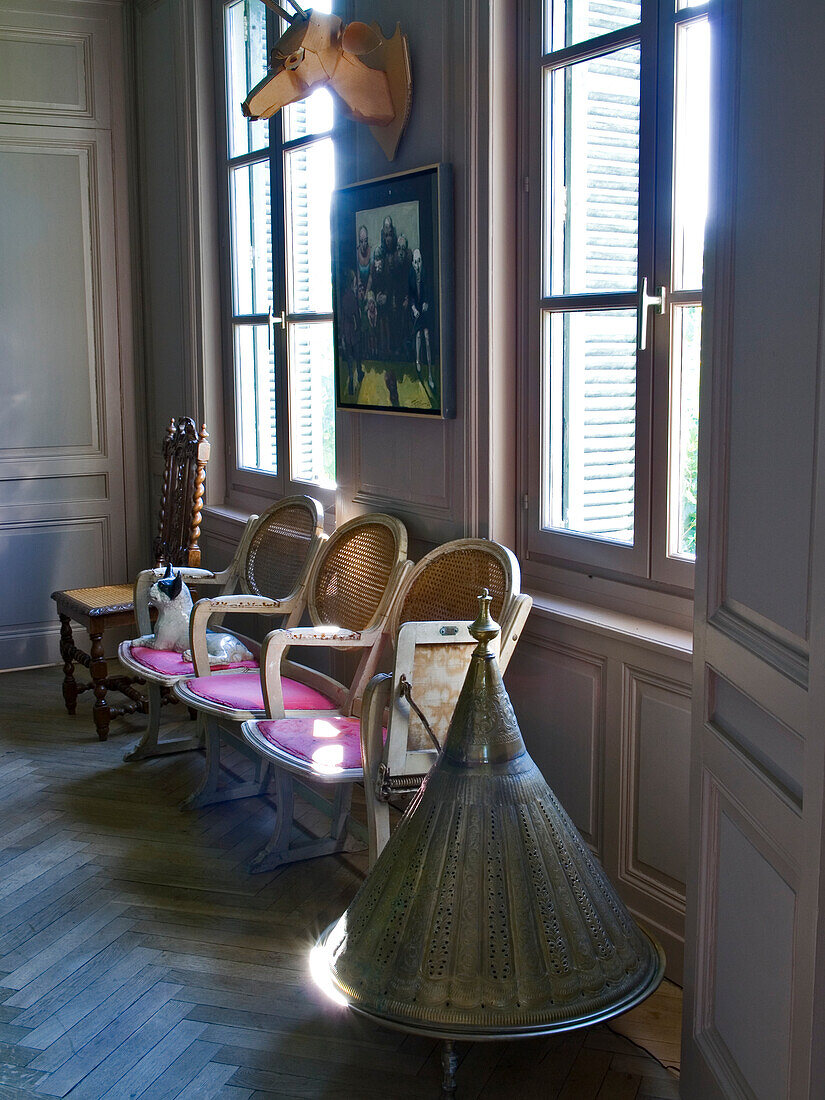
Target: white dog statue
(173,601)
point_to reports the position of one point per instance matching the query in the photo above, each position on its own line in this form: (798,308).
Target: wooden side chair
(350,592)
(326,748)
(185,452)
(267,576)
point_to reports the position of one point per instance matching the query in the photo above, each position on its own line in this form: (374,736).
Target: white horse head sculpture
(318,51)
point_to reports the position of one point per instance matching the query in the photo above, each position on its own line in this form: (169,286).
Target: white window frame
(544,551)
(245,486)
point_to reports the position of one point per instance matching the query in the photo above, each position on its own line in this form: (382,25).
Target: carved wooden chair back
(185,454)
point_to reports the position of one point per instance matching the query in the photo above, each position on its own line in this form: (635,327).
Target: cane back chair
(267,576)
(350,592)
(327,749)
(108,607)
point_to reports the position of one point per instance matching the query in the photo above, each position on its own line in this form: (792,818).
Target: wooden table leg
(66,652)
(100,711)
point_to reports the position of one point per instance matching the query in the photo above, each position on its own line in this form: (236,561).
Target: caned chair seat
(328,746)
(269,569)
(105,600)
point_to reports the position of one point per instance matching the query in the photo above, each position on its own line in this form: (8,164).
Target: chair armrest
(277,642)
(374,706)
(235,605)
(147,577)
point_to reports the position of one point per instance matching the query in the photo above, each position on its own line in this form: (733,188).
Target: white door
(65,355)
(752,947)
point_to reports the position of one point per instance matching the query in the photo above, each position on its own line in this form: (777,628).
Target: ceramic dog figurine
(173,601)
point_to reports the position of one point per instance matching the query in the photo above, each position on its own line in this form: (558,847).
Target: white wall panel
(657,762)
(774,319)
(47,296)
(753,962)
(42,71)
(558,696)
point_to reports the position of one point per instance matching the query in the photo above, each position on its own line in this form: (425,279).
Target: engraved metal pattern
(486,913)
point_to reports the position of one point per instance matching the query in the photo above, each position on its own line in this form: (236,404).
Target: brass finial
(484,629)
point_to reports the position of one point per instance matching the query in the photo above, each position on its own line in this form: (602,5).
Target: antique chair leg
(273,852)
(206,791)
(97,667)
(70,692)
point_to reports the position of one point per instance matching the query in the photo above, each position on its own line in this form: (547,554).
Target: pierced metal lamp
(486,916)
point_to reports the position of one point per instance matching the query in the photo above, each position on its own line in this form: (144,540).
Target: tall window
(622,136)
(278,179)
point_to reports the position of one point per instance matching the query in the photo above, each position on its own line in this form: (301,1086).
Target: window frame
(544,551)
(245,484)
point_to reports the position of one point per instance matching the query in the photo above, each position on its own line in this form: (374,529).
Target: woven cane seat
(98,602)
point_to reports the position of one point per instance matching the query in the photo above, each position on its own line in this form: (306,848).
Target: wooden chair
(351,589)
(268,575)
(326,748)
(185,452)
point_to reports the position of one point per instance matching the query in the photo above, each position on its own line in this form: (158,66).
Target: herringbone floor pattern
(138,957)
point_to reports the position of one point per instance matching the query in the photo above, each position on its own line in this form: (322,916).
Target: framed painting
(392,278)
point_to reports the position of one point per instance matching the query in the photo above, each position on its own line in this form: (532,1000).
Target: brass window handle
(647,302)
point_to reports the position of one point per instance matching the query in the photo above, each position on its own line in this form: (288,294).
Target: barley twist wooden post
(197,510)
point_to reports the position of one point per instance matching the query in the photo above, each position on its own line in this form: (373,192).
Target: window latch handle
(272,321)
(656,302)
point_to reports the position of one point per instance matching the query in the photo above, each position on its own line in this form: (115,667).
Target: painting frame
(393,294)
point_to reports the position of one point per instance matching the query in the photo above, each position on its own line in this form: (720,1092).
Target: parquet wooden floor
(138,957)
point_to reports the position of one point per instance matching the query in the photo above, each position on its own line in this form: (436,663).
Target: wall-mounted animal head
(370,74)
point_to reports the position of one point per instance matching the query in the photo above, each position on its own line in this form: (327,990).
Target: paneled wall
(605,713)
(754,1007)
(70,511)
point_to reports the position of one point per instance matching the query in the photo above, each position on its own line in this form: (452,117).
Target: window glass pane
(685,360)
(309,177)
(567,22)
(312,403)
(246,62)
(691,140)
(590,422)
(251,238)
(311,116)
(682,4)
(255,398)
(592,201)
(314,114)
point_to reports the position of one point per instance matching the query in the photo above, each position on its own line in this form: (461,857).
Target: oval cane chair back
(350,584)
(282,548)
(445,583)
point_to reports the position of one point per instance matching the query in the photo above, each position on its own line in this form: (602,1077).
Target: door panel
(64,317)
(754,978)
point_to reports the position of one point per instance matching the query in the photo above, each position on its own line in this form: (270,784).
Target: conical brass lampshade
(486,915)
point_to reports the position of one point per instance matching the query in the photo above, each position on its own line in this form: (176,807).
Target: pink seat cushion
(169,663)
(242,691)
(330,745)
